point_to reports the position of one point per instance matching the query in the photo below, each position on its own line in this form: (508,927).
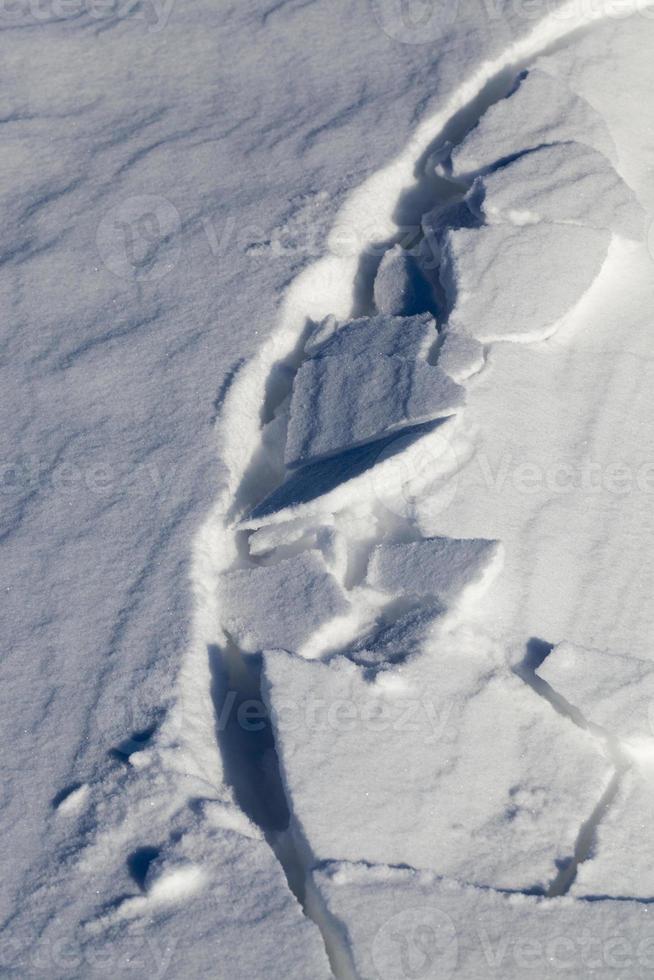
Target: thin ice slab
(342,402)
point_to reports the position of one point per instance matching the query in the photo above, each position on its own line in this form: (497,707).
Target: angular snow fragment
(400,288)
(613,691)
(280,605)
(516,283)
(446,568)
(403,922)
(395,336)
(621,864)
(568,183)
(341,402)
(394,642)
(449,763)
(460,356)
(541,109)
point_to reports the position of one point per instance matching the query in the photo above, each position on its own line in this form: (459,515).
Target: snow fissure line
(537,653)
(338,284)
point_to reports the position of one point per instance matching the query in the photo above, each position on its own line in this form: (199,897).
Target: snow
(205,205)
(567,183)
(517,283)
(542,109)
(442,567)
(444,759)
(613,691)
(394,336)
(345,401)
(400,288)
(282,605)
(394,922)
(460,356)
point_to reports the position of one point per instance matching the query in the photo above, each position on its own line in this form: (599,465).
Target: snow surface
(189,193)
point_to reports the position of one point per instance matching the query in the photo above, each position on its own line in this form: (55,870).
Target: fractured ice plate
(516,283)
(466,772)
(568,183)
(445,568)
(341,402)
(280,605)
(399,336)
(390,923)
(541,109)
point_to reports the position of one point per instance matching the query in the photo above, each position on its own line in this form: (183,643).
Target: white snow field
(327,489)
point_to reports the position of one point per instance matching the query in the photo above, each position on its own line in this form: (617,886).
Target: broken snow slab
(390,923)
(341,402)
(460,356)
(448,569)
(448,763)
(612,691)
(400,289)
(621,864)
(395,336)
(541,109)
(280,605)
(394,642)
(517,283)
(569,183)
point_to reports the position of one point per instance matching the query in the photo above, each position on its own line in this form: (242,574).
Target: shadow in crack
(317,479)
(245,737)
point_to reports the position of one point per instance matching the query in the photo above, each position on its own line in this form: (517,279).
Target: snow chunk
(568,183)
(74,801)
(395,336)
(610,690)
(400,922)
(542,109)
(460,356)
(508,283)
(464,770)
(281,605)
(400,287)
(341,402)
(446,568)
